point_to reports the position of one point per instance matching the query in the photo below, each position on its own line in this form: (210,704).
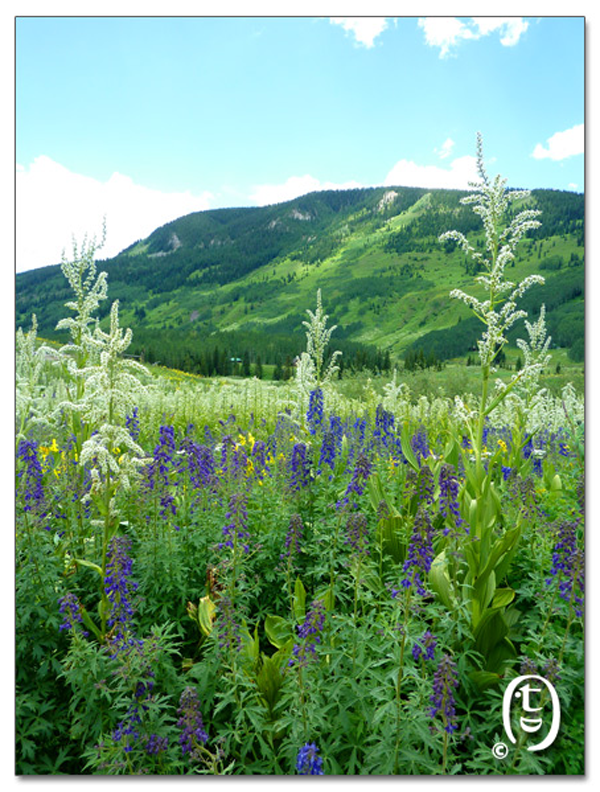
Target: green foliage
(249,275)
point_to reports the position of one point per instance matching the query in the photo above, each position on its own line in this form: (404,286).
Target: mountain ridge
(374,252)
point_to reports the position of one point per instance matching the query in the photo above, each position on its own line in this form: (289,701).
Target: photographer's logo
(536,707)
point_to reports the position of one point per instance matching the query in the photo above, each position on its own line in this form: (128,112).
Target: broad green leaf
(83,562)
(278,630)
(439,579)
(299,600)
(407,448)
(205,614)
(503,597)
(484,679)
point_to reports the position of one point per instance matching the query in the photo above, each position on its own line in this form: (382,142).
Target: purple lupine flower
(563,450)
(190,721)
(449,508)
(527,667)
(227,627)
(328,450)
(384,425)
(314,416)
(32,474)
(419,445)
(442,699)
(358,482)
(227,446)
(551,670)
(506,471)
(310,634)
(200,463)
(70,607)
(299,467)
(127,729)
(156,744)
(308,761)
(132,424)
(293,538)
(420,552)
(357,536)
(118,587)
(235,531)
(568,566)
(425,485)
(425,646)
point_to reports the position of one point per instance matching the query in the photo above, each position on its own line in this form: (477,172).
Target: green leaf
(278,630)
(87,620)
(299,600)
(481,596)
(392,538)
(407,448)
(269,681)
(439,580)
(83,562)
(205,614)
(451,453)
(503,597)
(485,679)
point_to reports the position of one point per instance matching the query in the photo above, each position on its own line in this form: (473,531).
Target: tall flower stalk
(498,311)
(487,551)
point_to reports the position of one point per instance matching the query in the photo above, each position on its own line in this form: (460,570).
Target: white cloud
(562,144)
(444,32)
(54,204)
(406,173)
(510,28)
(364,29)
(446,148)
(265,194)
(448,32)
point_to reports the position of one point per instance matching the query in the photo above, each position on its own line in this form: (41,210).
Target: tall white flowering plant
(487,547)
(498,310)
(314,371)
(31,362)
(107,385)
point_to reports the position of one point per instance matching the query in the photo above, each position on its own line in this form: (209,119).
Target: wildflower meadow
(244,577)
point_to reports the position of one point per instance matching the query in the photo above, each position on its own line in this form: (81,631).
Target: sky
(144,119)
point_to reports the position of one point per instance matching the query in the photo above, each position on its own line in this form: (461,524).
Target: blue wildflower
(358,482)
(32,475)
(425,646)
(420,446)
(310,634)
(235,532)
(314,416)
(293,538)
(309,762)
(70,607)
(420,552)
(449,508)
(156,744)
(568,566)
(299,467)
(190,721)
(442,699)
(357,536)
(132,423)
(118,587)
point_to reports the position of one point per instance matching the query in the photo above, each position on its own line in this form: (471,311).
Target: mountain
(239,281)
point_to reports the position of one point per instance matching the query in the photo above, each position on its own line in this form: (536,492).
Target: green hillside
(237,282)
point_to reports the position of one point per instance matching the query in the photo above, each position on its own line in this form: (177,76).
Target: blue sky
(147,119)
